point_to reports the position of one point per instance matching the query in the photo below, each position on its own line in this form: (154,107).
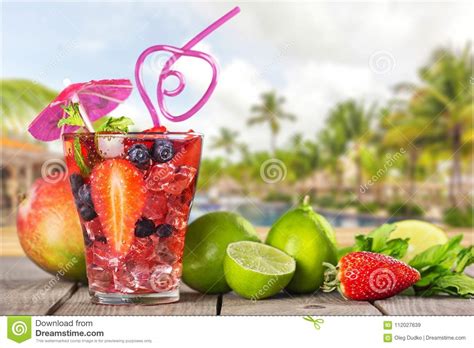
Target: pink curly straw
(166,72)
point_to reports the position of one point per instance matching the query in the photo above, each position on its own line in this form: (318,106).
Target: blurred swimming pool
(265,214)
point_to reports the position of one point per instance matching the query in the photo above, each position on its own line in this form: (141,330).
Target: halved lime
(423,235)
(256,271)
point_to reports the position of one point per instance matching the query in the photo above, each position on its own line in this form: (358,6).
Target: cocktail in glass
(133,193)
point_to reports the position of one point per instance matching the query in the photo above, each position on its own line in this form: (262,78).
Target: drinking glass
(133,193)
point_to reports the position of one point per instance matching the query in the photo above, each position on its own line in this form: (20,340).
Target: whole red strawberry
(367,276)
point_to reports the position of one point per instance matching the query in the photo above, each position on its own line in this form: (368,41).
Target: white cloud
(90,45)
(314,88)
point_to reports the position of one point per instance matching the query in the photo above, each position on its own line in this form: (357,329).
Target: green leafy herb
(464,258)
(74,116)
(113,124)
(378,241)
(455,284)
(85,170)
(437,254)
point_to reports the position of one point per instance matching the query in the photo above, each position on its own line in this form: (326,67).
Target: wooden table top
(26,289)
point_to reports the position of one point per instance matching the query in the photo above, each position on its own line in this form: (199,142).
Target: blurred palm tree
(245,153)
(333,146)
(226,140)
(296,141)
(20,101)
(355,121)
(405,133)
(444,100)
(271,112)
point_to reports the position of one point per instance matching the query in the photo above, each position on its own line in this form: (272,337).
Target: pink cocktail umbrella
(96,99)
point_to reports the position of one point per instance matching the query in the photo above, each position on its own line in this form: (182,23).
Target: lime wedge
(257,271)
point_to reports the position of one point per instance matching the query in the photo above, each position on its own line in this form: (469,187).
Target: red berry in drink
(118,196)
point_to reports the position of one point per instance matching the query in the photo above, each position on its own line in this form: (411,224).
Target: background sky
(314,54)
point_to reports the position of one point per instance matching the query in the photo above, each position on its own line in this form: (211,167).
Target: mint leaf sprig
(378,241)
(74,116)
(442,269)
(113,124)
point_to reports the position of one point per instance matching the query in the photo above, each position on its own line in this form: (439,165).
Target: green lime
(301,234)
(257,271)
(205,247)
(327,228)
(423,235)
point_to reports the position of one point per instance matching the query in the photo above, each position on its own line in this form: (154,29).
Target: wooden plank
(190,303)
(20,268)
(285,304)
(439,305)
(26,289)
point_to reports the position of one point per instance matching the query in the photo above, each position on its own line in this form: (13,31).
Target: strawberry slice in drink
(189,153)
(117,188)
(157,129)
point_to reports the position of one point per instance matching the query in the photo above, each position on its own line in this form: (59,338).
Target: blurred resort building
(21,157)
(21,164)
